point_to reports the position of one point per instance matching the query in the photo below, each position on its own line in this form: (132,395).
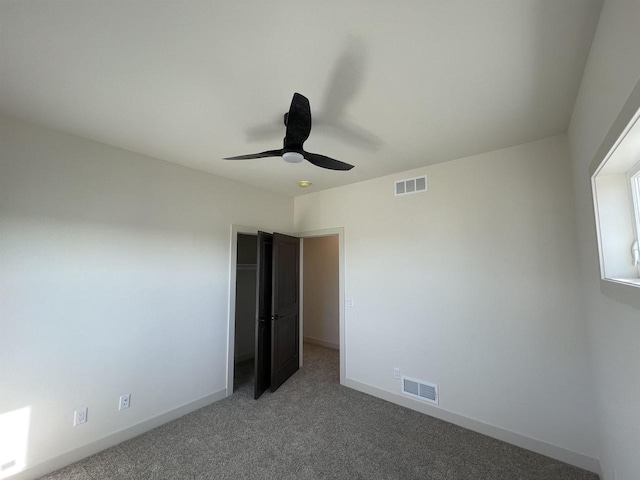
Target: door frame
(231,318)
(327,232)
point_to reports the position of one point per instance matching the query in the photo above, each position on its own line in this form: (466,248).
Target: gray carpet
(313,428)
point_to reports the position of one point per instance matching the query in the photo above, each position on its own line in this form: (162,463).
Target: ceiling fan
(298,123)
(331,117)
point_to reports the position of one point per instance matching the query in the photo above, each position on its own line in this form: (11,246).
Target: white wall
(472,285)
(320,291)
(611,73)
(115,279)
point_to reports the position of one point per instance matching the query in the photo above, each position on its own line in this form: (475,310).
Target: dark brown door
(285,321)
(263,314)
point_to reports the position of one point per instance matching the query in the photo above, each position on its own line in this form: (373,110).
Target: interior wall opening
(245,312)
(321,292)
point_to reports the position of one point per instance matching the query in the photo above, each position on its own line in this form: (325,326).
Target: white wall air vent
(411,185)
(420,389)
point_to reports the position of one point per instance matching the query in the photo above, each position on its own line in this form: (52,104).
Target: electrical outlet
(396,373)
(125,401)
(80,416)
(349,302)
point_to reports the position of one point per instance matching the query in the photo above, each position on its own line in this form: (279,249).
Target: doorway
(264,319)
(245,311)
(324,312)
(237,230)
(321,292)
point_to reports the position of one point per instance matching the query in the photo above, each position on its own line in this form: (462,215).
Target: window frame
(622,290)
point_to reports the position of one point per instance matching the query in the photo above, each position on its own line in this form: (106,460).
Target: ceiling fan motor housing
(292,157)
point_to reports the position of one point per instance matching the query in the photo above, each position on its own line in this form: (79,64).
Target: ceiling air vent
(420,389)
(411,185)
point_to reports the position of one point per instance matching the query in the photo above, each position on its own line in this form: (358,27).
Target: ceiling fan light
(292,157)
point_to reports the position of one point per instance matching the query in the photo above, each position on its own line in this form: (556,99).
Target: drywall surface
(115,279)
(320,290)
(471,285)
(611,74)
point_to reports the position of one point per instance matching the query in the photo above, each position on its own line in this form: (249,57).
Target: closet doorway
(245,311)
(290,340)
(264,313)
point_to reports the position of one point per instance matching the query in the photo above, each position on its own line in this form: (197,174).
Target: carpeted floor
(313,428)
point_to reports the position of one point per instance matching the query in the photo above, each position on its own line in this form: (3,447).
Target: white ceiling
(392,85)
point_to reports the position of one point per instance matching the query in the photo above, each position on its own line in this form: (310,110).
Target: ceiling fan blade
(326,162)
(346,80)
(268,153)
(298,122)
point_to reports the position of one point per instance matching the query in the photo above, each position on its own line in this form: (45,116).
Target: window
(634,187)
(616,199)
(615,182)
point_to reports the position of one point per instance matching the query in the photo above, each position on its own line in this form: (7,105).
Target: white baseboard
(92,448)
(568,456)
(322,343)
(573,458)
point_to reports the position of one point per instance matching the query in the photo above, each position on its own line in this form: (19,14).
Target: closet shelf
(246,266)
